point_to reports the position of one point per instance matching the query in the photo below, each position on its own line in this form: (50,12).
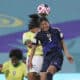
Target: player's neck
(32,31)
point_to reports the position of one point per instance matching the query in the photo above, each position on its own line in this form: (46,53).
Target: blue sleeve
(60,35)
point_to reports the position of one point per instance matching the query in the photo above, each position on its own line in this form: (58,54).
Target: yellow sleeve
(24,38)
(5,68)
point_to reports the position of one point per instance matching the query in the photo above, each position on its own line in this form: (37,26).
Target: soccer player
(38,57)
(14,69)
(53,47)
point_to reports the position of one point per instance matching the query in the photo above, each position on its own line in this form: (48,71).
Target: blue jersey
(50,40)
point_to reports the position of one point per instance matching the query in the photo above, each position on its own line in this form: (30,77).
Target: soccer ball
(43,9)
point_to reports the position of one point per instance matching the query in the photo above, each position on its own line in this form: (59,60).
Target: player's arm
(25,71)
(67,54)
(35,42)
(32,54)
(26,41)
(64,47)
(4,68)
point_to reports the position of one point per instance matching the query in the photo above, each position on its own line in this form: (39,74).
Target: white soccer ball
(43,9)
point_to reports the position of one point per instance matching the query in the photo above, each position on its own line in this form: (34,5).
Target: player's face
(44,25)
(15,61)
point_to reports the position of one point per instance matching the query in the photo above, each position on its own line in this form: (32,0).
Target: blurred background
(65,14)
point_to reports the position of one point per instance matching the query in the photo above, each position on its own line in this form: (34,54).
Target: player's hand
(70,58)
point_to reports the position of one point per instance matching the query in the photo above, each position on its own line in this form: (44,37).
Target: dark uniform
(52,48)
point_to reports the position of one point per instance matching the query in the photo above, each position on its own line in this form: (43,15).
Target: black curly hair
(16,53)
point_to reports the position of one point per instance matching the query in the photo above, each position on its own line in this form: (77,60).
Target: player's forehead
(44,21)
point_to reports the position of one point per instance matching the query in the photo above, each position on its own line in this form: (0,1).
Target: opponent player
(38,57)
(14,69)
(53,47)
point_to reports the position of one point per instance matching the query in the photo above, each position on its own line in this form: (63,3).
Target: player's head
(15,55)
(43,10)
(34,22)
(44,24)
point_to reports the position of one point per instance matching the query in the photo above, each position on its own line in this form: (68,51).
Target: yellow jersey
(14,73)
(30,36)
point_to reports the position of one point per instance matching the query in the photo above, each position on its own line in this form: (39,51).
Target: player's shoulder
(7,63)
(56,29)
(27,33)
